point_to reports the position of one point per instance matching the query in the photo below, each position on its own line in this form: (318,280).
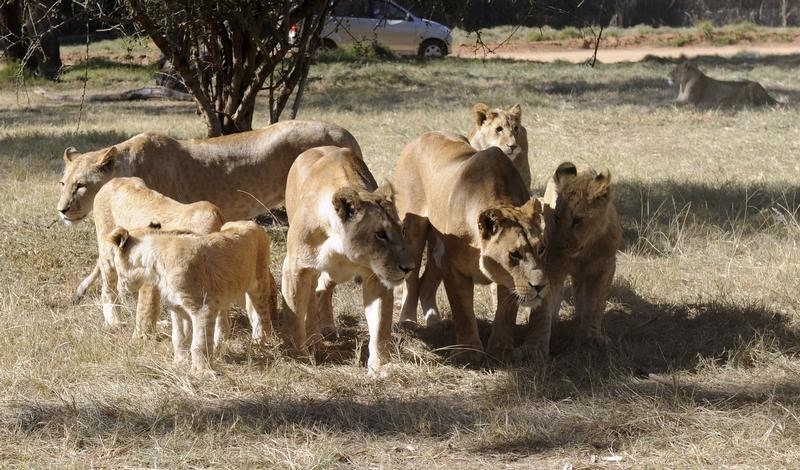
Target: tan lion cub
(128,202)
(198,276)
(341,226)
(585,238)
(474,207)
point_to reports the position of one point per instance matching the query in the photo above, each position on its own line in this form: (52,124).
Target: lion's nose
(538,287)
(512,146)
(406,268)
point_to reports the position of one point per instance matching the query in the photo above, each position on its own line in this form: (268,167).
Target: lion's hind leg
(261,304)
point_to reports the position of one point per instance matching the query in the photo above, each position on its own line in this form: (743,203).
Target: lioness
(586,235)
(198,276)
(493,128)
(341,226)
(503,129)
(243,174)
(128,202)
(697,88)
(486,229)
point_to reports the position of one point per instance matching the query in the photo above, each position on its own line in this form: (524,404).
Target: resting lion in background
(698,89)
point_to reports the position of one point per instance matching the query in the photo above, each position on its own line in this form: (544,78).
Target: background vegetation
(702,370)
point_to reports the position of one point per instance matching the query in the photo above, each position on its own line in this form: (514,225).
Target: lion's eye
(61,183)
(516,128)
(576,221)
(540,249)
(499,129)
(80,186)
(381,235)
(515,255)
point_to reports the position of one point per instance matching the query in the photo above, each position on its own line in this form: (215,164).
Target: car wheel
(432,48)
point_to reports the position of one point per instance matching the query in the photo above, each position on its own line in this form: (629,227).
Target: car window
(387,11)
(353,8)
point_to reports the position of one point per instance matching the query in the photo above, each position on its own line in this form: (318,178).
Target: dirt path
(550,53)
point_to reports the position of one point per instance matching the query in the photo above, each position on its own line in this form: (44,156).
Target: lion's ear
(489,222)
(106,161)
(532,208)
(516,112)
(565,171)
(118,237)
(601,187)
(480,111)
(386,190)
(347,203)
(70,153)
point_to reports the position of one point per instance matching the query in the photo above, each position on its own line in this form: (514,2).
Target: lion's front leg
(320,320)
(501,341)
(148,308)
(261,304)
(297,286)
(202,348)
(378,301)
(416,233)
(461,294)
(109,295)
(591,294)
(181,328)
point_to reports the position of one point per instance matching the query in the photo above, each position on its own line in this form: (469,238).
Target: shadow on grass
(50,146)
(668,208)
(739,61)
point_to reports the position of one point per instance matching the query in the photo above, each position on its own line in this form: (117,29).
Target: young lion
(341,226)
(697,88)
(198,276)
(503,129)
(584,243)
(128,202)
(475,208)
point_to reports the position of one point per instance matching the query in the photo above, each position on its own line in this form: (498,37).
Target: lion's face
(581,208)
(498,128)
(512,250)
(84,175)
(682,73)
(373,235)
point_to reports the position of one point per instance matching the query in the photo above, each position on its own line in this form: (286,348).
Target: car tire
(432,48)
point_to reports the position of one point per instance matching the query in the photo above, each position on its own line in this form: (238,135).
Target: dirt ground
(544,52)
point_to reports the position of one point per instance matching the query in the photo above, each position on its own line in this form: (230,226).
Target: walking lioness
(475,208)
(341,226)
(243,174)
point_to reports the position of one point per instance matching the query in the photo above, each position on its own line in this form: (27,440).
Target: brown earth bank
(551,52)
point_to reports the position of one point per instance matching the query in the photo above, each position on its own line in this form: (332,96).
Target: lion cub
(697,88)
(503,129)
(128,202)
(341,226)
(474,208)
(198,276)
(584,242)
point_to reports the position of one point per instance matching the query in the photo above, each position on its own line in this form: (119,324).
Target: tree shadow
(741,61)
(666,207)
(49,147)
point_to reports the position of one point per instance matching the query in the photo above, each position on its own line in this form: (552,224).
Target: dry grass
(703,366)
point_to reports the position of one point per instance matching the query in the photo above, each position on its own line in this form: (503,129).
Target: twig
(593,60)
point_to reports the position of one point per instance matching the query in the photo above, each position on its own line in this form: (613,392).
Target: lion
(585,237)
(500,128)
(198,276)
(243,174)
(341,226)
(474,206)
(128,202)
(697,88)
(493,128)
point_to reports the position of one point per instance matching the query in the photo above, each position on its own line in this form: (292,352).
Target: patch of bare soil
(578,53)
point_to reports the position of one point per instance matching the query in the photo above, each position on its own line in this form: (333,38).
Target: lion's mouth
(72,219)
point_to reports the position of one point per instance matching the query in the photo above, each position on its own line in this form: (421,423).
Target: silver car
(388,24)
